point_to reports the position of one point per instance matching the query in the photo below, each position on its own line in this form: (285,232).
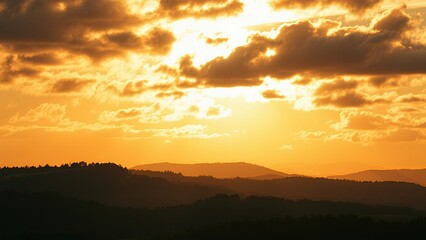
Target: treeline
(114,185)
(53,216)
(27,170)
(105,183)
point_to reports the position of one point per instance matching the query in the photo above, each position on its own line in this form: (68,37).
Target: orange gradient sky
(316,87)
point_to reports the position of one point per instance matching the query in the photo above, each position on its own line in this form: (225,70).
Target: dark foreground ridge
(53,216)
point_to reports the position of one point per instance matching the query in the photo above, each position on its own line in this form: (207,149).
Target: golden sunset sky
(314,87)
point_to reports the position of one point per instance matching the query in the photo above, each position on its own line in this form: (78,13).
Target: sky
(316,87)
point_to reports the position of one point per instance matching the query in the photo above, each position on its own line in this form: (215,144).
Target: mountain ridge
(217,170)
(417,176)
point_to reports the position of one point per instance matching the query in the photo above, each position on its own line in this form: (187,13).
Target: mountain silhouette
(217,170)
(417,176)
(113,185)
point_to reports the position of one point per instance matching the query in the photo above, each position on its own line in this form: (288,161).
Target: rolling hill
(217,170)
(113,185)
(417,176)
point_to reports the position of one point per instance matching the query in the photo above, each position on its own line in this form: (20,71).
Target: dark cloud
(337,85)
(216,41)
(39,25)
(69,85)
(11,70)
(271,94)
(159,41)
(383,81)
(176,9)
(241,68)
(133,88)
(350,99)
(41,59)
(156,41)
(343,93)
(355,6)
(317,50)
(302,81)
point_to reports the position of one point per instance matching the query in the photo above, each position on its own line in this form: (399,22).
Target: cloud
(11,70)
(366,138)
(98,29)
(175,94)
(120,115)
(272,94)
(364,120)
(69,85)
(384,81)
(41,59)
(172,111)
(346,100)
(354,6)
(337,85)
(176,9)
(344,94)
(302,81)
(133,88)
(189,131)
(286,147)
(403,135)
(50,112)
(216,41)
(321,49)
(411,98)
(67,127)
(366,128)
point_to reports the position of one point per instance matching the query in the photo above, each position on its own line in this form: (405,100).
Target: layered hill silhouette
(53,216)
(217,170)
(113,185)
(417,176)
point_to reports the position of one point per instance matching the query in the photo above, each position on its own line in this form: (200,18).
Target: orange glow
(301,89)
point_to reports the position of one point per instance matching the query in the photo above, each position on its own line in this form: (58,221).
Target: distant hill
(417,176)
(113,185)
(217,170)
(389,193)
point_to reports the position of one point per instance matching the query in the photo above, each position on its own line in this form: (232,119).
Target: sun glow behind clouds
(131,87)
(193,32)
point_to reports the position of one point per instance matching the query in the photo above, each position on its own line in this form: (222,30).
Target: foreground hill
(417,176)
(53,216)
(116,186)
(105,183)
(217,170)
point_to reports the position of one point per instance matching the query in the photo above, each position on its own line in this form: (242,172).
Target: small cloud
(216,41)
(286,147)
(272,94)
(70,85)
